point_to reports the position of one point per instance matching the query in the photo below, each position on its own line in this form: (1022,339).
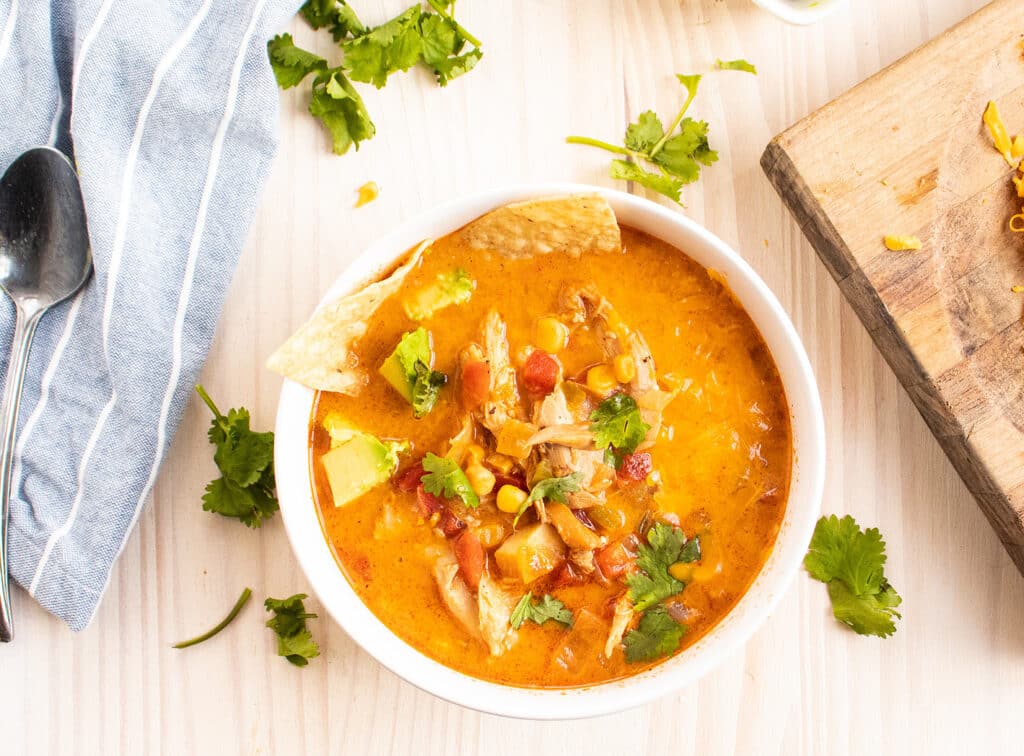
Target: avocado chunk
(452,288)
(409,372)
(400,368)
(358,462)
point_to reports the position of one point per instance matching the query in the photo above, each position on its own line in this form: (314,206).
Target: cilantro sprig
(653,582)
(673,156)
(445,478)
(245,458)
(371,54)
(294,641)
(851,562)
(547,608)
(657,635)
(618,427)
(552,489)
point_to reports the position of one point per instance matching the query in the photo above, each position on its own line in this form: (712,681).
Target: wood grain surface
(951,681)
(899,155)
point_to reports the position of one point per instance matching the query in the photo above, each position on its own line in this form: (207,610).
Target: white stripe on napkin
(115,264)
(190,269)
(8,32)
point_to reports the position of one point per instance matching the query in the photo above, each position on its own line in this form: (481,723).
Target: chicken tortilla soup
(547,451)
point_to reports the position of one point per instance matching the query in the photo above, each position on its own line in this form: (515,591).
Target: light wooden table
(950,681)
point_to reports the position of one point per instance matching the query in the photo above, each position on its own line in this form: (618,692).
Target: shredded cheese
(998,131)
(367,193)
(900,243)
(1012,151)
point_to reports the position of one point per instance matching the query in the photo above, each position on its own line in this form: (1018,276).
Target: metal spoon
(44,259)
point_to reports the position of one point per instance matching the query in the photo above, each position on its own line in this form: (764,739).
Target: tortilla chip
(568,225)
(320,354)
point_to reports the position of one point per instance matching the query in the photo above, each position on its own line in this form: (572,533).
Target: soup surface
(710,477)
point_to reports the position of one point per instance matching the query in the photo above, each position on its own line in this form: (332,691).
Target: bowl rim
(316,558)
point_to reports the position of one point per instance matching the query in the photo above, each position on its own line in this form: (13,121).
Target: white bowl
(314,554)
(800,12)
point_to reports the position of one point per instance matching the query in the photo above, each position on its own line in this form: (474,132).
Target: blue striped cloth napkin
(169,111)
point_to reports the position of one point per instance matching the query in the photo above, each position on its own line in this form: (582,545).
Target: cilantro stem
(606,146)
(675,124)
(439,7)
(242,601)
(209,402)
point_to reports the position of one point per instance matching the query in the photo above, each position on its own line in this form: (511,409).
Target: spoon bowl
(44,259)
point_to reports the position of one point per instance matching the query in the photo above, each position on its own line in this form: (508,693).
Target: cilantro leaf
(683,154)
(677,152)
(245,458)
(337,104)
(426,388)
(291,64)
(618,427)
(395,45)
(645,133)
(653,582)
(445,478)
(868,614)
(736,65)
(294,641)
(841,550)
(553,489)
(336,15)
(670,186)
(658,635)
(852,562)
(548,608)
(442,44)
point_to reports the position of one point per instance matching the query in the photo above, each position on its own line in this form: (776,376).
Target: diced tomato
(427,503)
(636,466)
(409,479)
(476,381)
(615,560)
(450,525)
(540,373)
(470,554)
(564,576)
(515,478)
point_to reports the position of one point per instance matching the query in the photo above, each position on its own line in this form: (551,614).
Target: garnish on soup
(598,481)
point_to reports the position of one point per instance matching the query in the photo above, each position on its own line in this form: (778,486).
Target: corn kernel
(481,480)
(510,499)
(682,571)
(600,380)
(705,572)
(474,454)
(624,367)
(552,335)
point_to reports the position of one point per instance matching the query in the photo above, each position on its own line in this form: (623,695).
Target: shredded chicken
(459,444)
(502,403)
(583,559)
(620,621)
(495,606)
(455,593)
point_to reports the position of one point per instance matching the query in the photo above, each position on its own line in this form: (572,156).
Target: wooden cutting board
(906,152)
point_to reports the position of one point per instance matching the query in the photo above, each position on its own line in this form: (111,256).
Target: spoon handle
(24,330)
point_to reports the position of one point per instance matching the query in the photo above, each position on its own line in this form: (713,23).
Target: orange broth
(724,454)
